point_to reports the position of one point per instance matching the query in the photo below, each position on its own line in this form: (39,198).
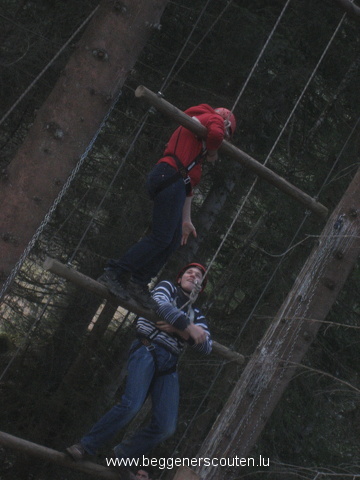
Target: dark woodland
(290,71)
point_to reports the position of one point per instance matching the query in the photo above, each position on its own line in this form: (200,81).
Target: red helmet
(229,118)
(193,265)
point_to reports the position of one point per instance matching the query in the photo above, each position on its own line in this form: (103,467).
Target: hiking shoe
(76,452)
(140,293)
(115,284)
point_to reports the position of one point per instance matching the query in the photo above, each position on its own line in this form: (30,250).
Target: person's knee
(162,242)
(131,407)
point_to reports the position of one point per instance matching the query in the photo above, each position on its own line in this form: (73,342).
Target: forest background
(298,110)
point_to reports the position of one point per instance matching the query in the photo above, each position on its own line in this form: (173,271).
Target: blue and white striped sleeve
(205,347)
(164,294)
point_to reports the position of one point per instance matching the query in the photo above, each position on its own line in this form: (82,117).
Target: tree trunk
(288,338)
(70,118)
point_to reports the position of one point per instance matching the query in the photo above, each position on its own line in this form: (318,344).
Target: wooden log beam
(233,152)
(81,280)
(350,8)
(50,455)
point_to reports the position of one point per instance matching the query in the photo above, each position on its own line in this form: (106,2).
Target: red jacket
(187,146)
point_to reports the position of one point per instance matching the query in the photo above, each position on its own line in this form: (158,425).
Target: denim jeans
(145,259)
(164,391)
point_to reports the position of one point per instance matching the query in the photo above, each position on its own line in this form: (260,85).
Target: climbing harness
(150,347)
(182,172)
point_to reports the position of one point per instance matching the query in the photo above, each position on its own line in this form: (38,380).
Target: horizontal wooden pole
(50,455)
(81,280)
(233,152)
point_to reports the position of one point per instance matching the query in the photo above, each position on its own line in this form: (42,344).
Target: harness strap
(183,172)
(151,348)
(190,310)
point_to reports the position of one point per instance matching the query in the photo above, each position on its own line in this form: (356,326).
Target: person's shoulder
(200,110)
(165,285)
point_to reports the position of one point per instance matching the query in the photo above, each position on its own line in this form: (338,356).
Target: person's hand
(171,330)
(212,156)
(187,229)
(197,333)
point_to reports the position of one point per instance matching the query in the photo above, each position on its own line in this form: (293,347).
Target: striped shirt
(170,299)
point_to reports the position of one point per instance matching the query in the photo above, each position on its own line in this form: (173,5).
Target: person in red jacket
(170,185)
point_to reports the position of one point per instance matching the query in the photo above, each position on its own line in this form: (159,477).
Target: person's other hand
(187,229)
(197,333)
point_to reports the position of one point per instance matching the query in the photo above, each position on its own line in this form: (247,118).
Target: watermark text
(170,463)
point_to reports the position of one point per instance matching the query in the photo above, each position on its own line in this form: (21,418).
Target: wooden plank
(233,152)
(81,280)
(50,455)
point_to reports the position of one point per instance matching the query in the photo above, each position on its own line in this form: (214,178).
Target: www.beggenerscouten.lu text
(169,463)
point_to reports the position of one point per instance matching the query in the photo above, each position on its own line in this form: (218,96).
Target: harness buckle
(147,343)
(187,180)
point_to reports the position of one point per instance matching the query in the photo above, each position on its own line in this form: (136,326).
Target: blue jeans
(164,391)
(145,259)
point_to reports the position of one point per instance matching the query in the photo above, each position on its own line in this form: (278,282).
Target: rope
(139,131)
(301,224)
(193,295)
(60,196)
(143,122)
(279,136)
(234,105)
(197,289)
(291,322)
(164,85)
(305,87)
(200,41)
(84,235)
(266,287)
(260,55)
(239,211)
(64,189)
(27,90)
